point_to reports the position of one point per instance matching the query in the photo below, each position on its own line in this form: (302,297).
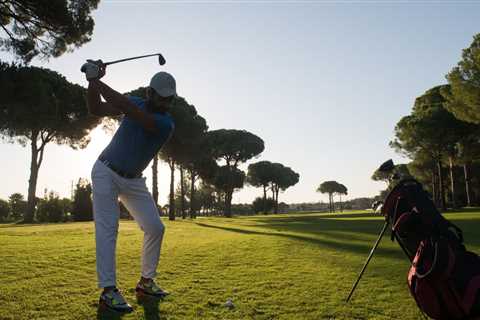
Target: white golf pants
(107,188)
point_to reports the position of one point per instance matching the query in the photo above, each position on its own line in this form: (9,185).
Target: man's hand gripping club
(93,69)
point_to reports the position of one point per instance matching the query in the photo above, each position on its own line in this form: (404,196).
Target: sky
(323,83)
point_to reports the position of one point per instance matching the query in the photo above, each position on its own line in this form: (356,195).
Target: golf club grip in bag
(444,278)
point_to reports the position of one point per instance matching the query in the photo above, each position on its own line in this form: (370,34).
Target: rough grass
(272,267)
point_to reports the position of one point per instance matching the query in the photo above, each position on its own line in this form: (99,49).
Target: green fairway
(272,267)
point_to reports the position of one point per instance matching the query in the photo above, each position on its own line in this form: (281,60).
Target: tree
(206,198)
(228,179)
(173,152)
(341,190)
(330,187)
(193,158)
(430,129)
(199,165)
(82,207)
(283,178)
(468,151)
(31,28)
(234,147)
(38,106)
(18,205)
(50,208)
(261,174)
(464,101)
(4,210)
(263,205)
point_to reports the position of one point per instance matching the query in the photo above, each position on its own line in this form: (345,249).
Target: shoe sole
(142,294)
(103,306)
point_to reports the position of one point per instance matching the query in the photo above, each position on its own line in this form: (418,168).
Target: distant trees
(464,101)
(17,205)
(233,147)
(442,134)
(82,207)
(51,208)
(271,176)
(31,28)
(38,106)
(189,126)
(432,133)
(263,205)
(283,178)
(4,210)
(261,174)
(332,188)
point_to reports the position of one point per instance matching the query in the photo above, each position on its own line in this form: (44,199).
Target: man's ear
(149,92)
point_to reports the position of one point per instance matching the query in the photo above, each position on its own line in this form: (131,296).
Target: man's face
(158,102)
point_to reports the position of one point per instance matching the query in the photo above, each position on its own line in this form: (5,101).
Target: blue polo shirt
(132,147)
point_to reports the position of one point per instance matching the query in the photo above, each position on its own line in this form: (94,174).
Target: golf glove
(93,69)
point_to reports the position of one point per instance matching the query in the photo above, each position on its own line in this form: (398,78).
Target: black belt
(121,173)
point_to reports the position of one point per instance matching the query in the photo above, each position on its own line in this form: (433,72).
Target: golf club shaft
(132,58)
(368,260)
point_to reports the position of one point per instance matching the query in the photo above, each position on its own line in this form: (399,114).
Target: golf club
(161,59)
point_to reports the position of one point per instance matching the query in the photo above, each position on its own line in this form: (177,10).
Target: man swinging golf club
(117,174)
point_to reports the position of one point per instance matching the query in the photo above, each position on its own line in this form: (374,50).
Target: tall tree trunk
(330,207)
(171,207)
(32,185)
(35,163)
(440,186)
(264,199)
(155,179)
(452,182)
(276,199)
(228,203)
(333,204)
(192,195)
(467,183)
(182,194)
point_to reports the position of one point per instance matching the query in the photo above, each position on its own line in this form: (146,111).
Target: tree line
(39,106)
(441,135)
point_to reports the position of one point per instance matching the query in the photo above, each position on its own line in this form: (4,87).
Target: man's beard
(151,107)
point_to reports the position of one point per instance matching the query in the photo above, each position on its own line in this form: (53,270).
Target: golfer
(117,174)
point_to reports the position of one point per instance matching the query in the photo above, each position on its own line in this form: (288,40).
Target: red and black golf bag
(444,278)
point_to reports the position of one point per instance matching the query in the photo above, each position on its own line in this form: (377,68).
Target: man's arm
(95,104)
(120,103)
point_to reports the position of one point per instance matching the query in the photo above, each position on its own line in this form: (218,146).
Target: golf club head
(161,59)
(387,166)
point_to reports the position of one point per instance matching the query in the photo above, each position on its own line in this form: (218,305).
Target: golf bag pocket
(429,280)
(408,230)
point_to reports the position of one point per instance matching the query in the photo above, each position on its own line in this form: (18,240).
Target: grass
(272,267)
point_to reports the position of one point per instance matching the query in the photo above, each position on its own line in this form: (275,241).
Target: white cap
(164,84)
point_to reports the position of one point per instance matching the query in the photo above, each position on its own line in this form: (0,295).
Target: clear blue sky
(322,82)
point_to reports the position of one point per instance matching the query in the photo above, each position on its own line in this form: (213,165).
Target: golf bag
(444,278)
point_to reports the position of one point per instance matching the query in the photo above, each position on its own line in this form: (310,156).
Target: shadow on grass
(321,225)
(107,314)
(151,310)
(151,307)
(344,244)
(357,224)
